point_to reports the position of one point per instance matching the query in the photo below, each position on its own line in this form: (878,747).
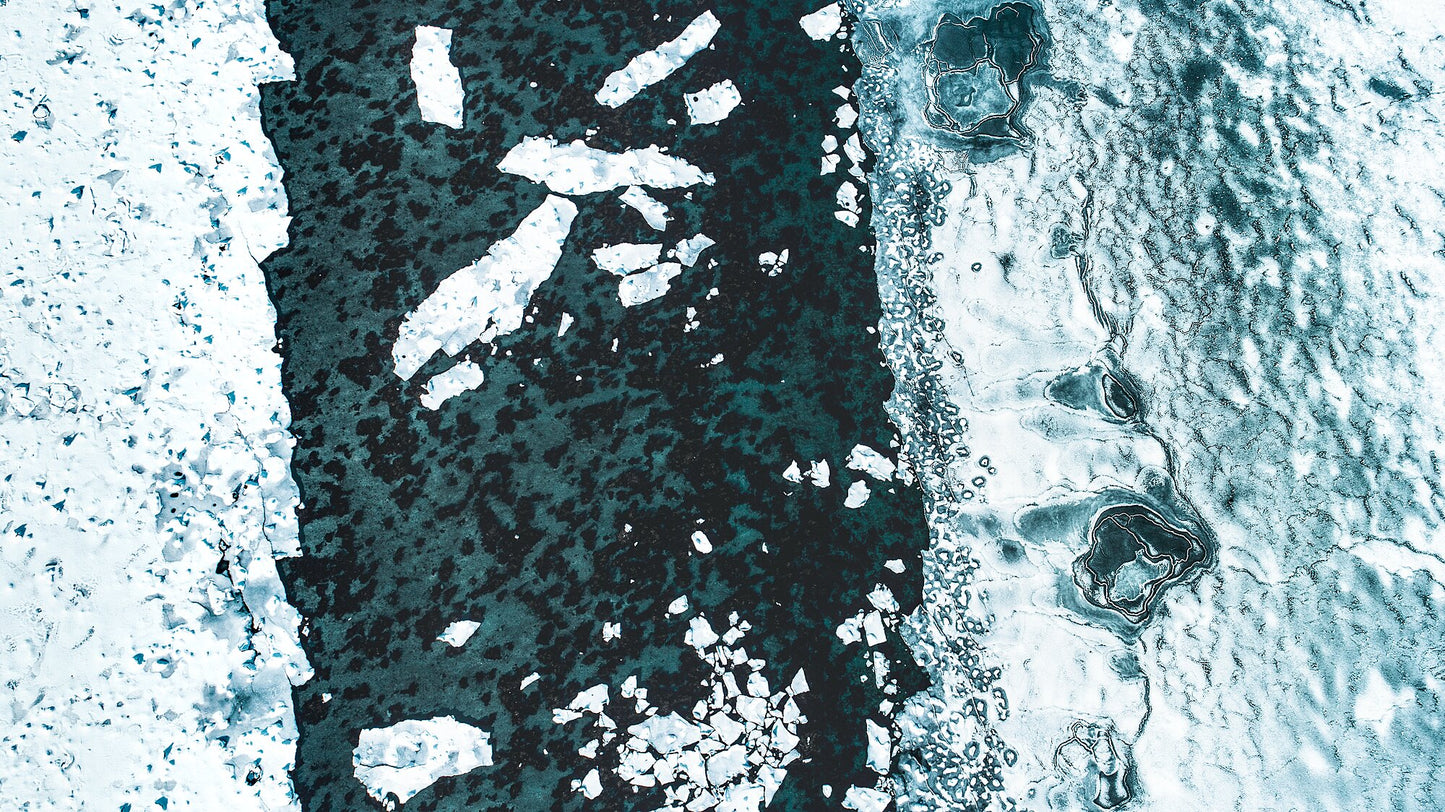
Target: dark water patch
(511,505)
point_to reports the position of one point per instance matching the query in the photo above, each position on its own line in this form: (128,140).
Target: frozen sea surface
(1161,284)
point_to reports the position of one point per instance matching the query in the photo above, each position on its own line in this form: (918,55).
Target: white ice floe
(647,285)
(773,262)
(823,24)
(858,494)
(880,747)
(487,298)
(871,462)
(446,385)
(564,324)
(714,103)
(819,473)
(625,258)
(845,116)
(410,756)
(687,251)
(578,169)
(793,473)
(649,68)
(866,799)
(458,632)
(894,565)
(438,84)
(701,542)
(848,205)
(678,606)
(528,680)
(652,211)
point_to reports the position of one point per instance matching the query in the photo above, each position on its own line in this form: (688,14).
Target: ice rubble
(578,169)
(713,103)
(1005,273)
(487,298)
(650,67)
(407,757)
(730,752)
(438,84)
(149,651)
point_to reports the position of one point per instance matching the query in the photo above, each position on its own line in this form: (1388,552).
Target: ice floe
(869,461)
(644,286)
(650,67)
(652,211)
(713,103)
(438,84)
(446,385)
(858,494)
(458,632)
(487,298)
(578,169)
(823,24)
(407,757)
(689,250)
(625,258)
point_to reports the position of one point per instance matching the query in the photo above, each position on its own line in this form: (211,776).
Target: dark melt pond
(510,504)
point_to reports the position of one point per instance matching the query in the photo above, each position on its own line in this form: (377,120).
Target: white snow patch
(410,756)
(650,67)
(438,84)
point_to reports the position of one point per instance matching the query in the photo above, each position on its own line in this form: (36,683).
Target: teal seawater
(509,505)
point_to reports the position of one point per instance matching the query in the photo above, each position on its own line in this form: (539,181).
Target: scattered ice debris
(687,251)
(578,169)
(487,298)
(701,542)
(528,680)
(866,460)
(678,606)
(730,752)
(819,473)
(794,473)
(858,494)
(649,68)
(823,24)
(564,325)
(438,84)
(446,385)
(647,285)
(865,799)
(410,756)
(773,263)
(714,103)
(625,258)
(458,632)
(654,212)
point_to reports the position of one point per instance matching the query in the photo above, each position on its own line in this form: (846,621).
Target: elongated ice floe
(867,460)
(446,385)
(713,103)
(486,299)
(410,756)
(687,251)
(824,23)
(654,212)
(578,169)
(647,285)
(649,68)
(438,84)
(625,258)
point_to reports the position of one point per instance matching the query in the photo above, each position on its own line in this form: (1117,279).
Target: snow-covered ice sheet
(438,84)
(649,68)
(407,757)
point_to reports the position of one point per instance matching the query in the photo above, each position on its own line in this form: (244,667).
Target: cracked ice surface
(410,756)
(1204,284)
(438,84)
(650,67)
(148,650)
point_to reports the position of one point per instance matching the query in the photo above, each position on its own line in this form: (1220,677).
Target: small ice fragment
(701,542)
(847,218)
(894,564)
(611,631)
(799,685)
(438,84)
(850,630)
(578,169)
(648,285)
(592,700)
(794,473)
(459,632)
(865,799)
(845,116)
(700,634)
(528,680)
(819,473)
(873,632)
(830,143)
(712,104)
(566,322)
(828,165)
(649,68)
(444,386)
(823,24)
(847,197)
(591,785)
(882,599)
(865,459)
(625,258)
(654,212)
(687,251)
(880,747)
(410,756)
(667,734)
(853,148)
(858,494)
(843,92)
(678,606)
(488,298)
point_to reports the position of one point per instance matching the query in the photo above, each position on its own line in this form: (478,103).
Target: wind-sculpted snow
(1163,358)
